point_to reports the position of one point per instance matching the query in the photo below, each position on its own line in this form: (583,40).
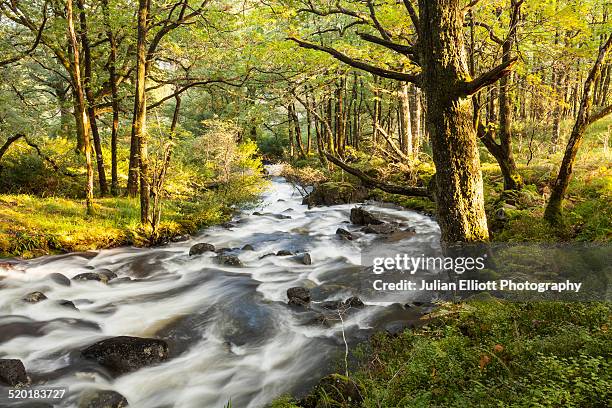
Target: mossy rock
(335,193)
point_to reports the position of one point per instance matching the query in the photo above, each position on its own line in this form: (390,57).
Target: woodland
(140,122)
(113,99)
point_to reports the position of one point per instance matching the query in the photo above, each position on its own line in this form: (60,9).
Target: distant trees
(584,119)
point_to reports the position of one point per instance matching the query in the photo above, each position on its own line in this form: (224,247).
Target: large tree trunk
(449,119)
(80,106)
(583,120)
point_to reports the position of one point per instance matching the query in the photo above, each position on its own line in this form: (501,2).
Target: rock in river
(359,216)
(35,297)
(200,248)
(59,279)
(124,354)
(103,276)
(102,399)
(298,296)
(332,193)
(354,302)
(344,234)
(13,373)
(229,260)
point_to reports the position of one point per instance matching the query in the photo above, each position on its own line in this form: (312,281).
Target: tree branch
(413,13)
(34,46)
(600,115)
(400,76)
(369,181)
(384,33)
(488,78)
(400,48)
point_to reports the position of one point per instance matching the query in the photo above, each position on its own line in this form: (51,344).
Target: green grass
(486,353)
(31,226)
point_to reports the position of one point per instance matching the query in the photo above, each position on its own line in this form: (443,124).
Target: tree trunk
(112,78)
(405,122)
(512,178)
(290,129)
(340,127)
(80,106)
(139,121)
(298,130)
(585,118)
(449,119)
(91,100)
(415,118)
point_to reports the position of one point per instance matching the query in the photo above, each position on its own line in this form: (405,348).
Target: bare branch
(488,78)
(400,48)
(413,13)
(400,76)
(384,33)
(34,46)
(600,115)
(369,181)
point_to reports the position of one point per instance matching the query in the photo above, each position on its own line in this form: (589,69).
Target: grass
(485,353)
(32,226)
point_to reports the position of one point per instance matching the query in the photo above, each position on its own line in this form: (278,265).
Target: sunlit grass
(31,226)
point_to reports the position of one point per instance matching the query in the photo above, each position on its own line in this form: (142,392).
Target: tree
(439,51)
(80,105)
(585,118)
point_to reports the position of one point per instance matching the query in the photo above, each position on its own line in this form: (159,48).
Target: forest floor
(33,226)
(481,353)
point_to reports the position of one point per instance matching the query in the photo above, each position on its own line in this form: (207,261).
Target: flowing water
(230,330)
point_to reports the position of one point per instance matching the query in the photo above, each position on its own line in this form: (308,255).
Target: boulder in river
(13,373)
(229,260)
(94,276)
(306,259)
(298,296)
(181,238)
(35,297)
(59,279)
(284,252)
(353,302)
(102,399)
(67,303)
(201,248)
(360,216)
(344,234)
(332,193)
(124,354)
(384,228)
(248,247)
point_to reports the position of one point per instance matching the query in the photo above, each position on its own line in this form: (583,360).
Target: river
(230,330)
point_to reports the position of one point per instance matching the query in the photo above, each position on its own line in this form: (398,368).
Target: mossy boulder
(335,193)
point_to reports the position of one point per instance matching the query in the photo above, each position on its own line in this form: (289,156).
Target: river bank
(34,226)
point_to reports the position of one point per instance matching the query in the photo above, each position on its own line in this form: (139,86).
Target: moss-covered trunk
(459,187)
